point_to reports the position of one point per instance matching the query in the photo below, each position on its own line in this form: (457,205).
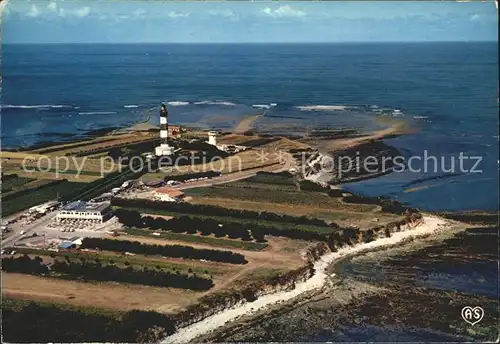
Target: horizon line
(242,43)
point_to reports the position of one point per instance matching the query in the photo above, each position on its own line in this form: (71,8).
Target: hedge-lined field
(220,228)
(31,197)
(174,251)
(217,242)
(119,259)
(95,271)
(210,210)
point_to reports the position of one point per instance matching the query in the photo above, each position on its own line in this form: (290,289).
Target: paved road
(35,227)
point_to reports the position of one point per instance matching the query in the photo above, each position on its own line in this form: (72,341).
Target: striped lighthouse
(164,126)
(163,148)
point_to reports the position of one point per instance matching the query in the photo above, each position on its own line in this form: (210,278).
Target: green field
(244,245)
(275,224)
(82,173)
(47,193)
(136,261)
(269,194)
(14,183)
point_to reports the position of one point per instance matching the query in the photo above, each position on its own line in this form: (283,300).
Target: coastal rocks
(381,296)
(367,160)
(214,303)
(318,281)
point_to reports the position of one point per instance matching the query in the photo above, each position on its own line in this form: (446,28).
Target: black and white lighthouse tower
(163,149)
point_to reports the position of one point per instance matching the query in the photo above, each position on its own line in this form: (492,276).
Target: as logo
(472,315)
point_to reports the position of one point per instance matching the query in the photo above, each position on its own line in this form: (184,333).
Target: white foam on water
(177,103)
(98,113)
(420,117)
(321,107)
(49,106)
(318,280)
(130,106)
(209,102)
(261,106)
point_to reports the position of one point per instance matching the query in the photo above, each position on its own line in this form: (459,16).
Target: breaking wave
(35,106)
(130,106)
(208,102)
(177,103)
(98,113)
(264,106)
(321,107)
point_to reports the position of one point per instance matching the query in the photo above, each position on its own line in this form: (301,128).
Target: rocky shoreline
(316,283)
(350,308)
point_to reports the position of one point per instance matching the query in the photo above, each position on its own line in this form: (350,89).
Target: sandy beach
(429,225)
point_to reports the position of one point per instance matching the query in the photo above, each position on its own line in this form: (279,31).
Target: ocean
(447,90)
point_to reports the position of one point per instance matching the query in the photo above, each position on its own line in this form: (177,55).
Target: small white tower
(163,149)
(212,138)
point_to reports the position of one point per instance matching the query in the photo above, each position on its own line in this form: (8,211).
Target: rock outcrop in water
(367,160)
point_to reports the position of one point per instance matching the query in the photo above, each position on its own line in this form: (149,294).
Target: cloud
(283,12)
(175,14)
(33,12)
(222,13)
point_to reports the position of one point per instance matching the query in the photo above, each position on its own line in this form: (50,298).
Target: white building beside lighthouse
(212,138)
(164,149)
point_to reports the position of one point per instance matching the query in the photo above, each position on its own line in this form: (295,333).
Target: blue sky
(56,21)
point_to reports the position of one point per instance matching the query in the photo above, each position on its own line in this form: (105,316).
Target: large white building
(79,210)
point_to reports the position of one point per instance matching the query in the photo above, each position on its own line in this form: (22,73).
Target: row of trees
(186,224)
(175,251)
(212,210)
(29,322)
(232,229)
(307,185)
(96,272)
(277,178)
(187,176)
(387,205)
(25,265)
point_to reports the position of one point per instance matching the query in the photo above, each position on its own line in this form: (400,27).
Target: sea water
(447,90)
